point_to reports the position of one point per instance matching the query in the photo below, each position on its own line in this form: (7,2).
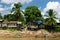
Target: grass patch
(11,29)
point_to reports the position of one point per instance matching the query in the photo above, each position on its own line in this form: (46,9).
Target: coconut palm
(17,12)
(50,21)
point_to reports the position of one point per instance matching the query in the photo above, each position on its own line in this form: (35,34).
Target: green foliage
(32,13)
(42,27)
(9,17)
(16,7)
(57,29)
(21,27)
(16,16)
(11,29)
(51,18)
(17,12)
(4,28)
(1,16)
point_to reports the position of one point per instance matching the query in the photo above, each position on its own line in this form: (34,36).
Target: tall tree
(32,13)
(1,16)
(17,12)
(50,21)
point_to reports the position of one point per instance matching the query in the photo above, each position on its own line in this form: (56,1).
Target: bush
(49,28)
(4,28)
(42,27)
(57,29)
(11,29)
(20,27)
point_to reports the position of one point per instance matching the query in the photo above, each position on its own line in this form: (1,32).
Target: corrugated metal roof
(39,21)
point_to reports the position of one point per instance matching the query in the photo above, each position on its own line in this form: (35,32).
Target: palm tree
(50,21)
(17,11)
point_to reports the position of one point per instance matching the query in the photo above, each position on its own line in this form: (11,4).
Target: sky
(43,5)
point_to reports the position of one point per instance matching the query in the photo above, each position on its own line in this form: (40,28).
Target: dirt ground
(29,38)
(28,35)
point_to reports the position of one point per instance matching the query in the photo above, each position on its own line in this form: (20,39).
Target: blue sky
(43,5)
(40,3)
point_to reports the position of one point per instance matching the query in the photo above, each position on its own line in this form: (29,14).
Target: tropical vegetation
(31,13)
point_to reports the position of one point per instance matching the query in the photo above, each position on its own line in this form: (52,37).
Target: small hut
(38,23)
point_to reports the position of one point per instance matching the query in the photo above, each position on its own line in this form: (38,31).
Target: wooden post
(46,36)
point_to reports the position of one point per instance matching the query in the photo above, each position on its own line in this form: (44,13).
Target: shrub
(4,28)
(42,27)
(21,26)
(11,29)
(57,29)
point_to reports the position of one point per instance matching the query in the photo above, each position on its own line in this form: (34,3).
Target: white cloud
(15,1)
(12,3)
(53,5)
(4,8)
(1,9)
